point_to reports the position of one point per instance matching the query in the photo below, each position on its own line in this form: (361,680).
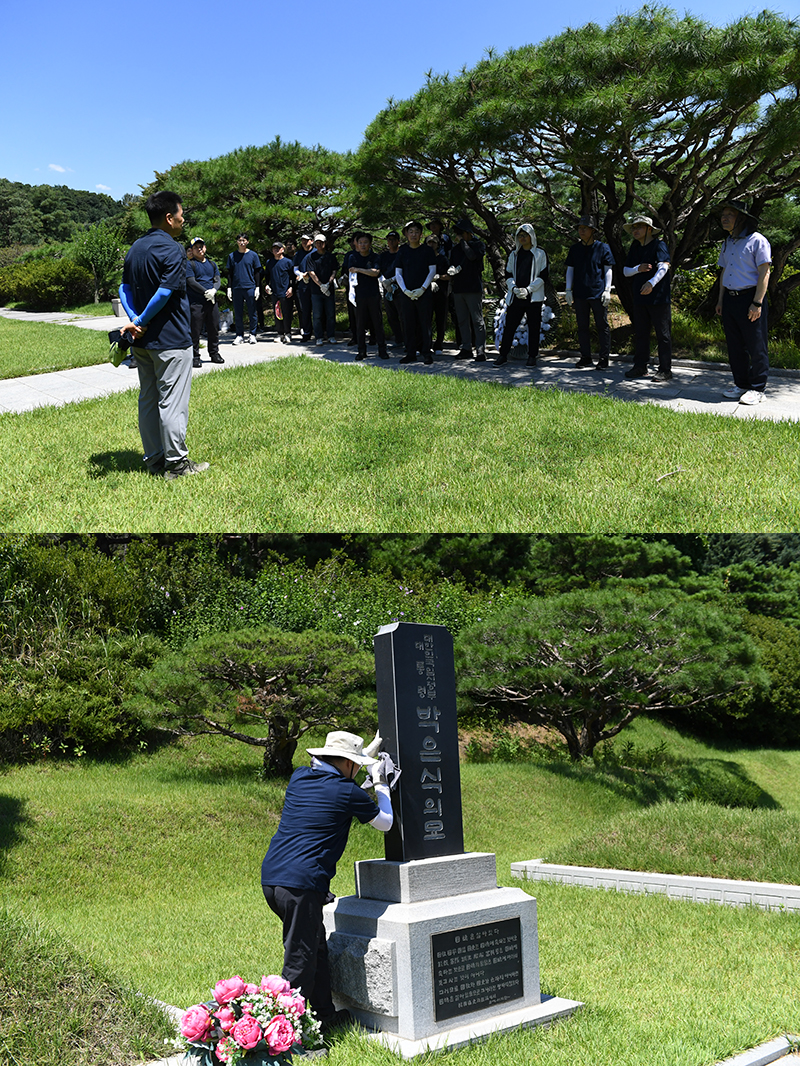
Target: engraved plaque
(476,968)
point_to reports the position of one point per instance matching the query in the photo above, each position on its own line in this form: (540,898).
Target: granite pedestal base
(432,954)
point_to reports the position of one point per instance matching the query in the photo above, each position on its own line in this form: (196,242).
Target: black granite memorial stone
(416,686)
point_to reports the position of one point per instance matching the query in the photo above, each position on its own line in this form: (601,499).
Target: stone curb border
(764,1053)
(767,896)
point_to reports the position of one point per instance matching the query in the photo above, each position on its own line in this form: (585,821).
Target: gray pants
(468,307)
(165,378)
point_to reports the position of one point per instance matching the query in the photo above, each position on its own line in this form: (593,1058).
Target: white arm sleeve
(661,270)
(384,819)
(609,277)
(630,271)
(569,277)
(398,274)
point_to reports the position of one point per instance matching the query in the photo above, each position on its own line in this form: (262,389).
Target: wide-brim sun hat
(742,206)
(344,746)
(628,227)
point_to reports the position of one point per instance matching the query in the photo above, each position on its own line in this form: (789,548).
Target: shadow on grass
(720,781)
(12,819)
(120,462)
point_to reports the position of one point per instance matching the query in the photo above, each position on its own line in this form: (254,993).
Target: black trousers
(746,340)
(303,297)
(305,949)
(205,313)
(440,302)
(393,316)
(582,309)
(515,312)
(369,317)
(283,325)
(659,317)
(416,323)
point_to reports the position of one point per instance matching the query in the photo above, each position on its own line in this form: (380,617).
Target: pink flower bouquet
(269,1020)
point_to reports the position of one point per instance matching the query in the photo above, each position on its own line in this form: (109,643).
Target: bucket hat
(344,746)
(628,227)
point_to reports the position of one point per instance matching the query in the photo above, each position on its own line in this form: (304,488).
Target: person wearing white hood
(525,272)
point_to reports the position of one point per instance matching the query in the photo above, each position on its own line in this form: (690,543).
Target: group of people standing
(170,297)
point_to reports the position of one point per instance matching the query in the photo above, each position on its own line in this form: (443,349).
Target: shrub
(49,284)
(71,701)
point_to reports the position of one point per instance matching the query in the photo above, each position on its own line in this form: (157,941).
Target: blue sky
(99,96)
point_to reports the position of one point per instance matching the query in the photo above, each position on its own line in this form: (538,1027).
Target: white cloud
(103,188)
(60,169)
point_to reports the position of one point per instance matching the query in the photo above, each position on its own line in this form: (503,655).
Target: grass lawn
(301,445)
(150,867)
(42,347)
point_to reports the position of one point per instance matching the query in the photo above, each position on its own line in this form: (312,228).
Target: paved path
(695,386)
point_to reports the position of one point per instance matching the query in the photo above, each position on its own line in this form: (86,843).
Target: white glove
(418,293)
(258,292)
(434,287)
(377,773)
(325,289)
(409,294)
(230,295)
(210,294)
(605,298)
(521,294)
(568,297)
(452,271)
(374,745)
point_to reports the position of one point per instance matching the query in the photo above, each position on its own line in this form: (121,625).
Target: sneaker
(500,360)
(734,392)
(427,359)
(182,468)
(252,339)
(636,372)
(531,361)
(217,359)
(238,339)
(318,340)
(332,340)
(585,360)
(352,342)
(662,375)
(751,397)
(409,359)
(196,363)
(289,338)
(480,357)
(602,364)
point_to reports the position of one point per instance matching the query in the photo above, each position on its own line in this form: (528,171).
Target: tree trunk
(279,749)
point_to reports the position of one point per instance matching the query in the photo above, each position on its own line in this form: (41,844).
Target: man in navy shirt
(153,293)
(320,804)
(647,269)
(243,271)
(302,287)
(588,284)
(281,277)
(202,286)
(321,265)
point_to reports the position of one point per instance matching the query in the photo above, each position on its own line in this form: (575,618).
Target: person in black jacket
(466,271)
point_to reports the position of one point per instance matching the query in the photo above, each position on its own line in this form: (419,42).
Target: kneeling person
(320,804)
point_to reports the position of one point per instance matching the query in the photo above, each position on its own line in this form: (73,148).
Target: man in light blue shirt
(744,262)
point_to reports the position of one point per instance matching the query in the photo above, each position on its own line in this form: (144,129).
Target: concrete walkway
(695,386)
